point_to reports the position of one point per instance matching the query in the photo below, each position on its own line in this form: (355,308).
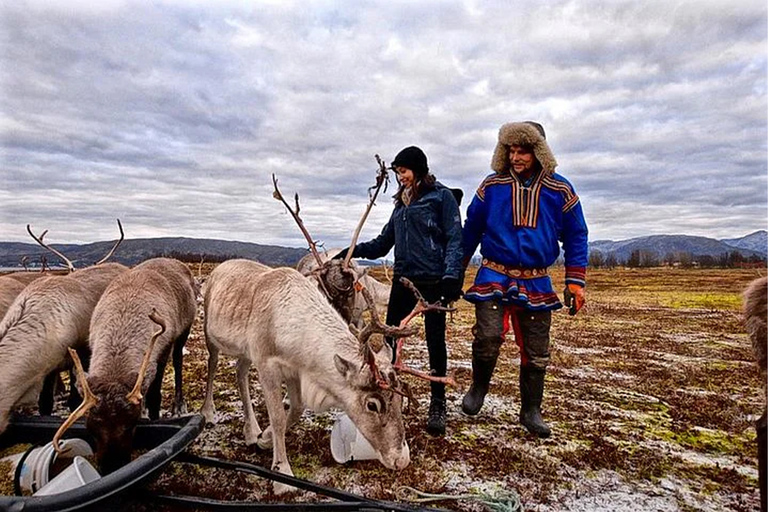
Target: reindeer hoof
(179,409)
(264,440)
(280,488)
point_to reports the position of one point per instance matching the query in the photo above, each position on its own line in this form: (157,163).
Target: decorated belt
(517,272)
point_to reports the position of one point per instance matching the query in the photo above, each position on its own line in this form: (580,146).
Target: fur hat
(529,134)
(414,159)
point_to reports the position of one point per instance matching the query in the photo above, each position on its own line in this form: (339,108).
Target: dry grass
(651,395)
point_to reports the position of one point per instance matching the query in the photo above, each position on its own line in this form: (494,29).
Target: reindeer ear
(343,366)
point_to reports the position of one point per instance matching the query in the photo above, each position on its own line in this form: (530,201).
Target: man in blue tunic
(519,216)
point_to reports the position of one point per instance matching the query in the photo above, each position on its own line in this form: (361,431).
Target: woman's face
(404,176)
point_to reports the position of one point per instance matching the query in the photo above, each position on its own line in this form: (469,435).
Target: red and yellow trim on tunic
(564,189)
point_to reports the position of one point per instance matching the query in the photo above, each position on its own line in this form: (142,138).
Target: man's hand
(450,290)
(574,298)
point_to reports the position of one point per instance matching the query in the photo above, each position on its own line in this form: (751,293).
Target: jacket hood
(522,134)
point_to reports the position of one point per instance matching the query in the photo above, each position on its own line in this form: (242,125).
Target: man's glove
(574,298)
(450,290)
(342,254)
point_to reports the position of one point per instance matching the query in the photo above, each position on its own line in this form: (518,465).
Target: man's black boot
(482,369)
(436,418)
(531,394)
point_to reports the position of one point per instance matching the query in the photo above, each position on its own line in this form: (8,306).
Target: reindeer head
(376,410)
(337,279)
(112,414)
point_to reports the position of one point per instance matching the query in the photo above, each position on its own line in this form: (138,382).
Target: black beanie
(414,159)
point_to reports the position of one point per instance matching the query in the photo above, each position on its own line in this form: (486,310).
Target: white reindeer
(121,330)
(279,321)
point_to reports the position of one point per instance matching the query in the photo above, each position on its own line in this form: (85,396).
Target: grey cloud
(175,116)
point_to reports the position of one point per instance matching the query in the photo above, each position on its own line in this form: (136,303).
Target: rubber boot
(436,418)
(482,369)
(531,394)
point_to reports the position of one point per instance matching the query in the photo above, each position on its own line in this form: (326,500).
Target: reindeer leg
(179,405)
(295,408)
(270,384)
(209,409)
(251,428)
(45,400)
(296,402)
(153,397)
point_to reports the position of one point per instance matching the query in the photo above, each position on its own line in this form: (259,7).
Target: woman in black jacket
(425,230)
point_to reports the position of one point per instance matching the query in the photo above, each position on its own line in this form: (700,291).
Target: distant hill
(757,241)
(697,246)
(134,251)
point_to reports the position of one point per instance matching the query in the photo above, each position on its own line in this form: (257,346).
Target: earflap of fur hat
(522,134)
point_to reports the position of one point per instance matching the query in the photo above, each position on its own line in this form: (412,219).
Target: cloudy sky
(172,115)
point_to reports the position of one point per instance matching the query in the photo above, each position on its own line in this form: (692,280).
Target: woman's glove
(342,254)
(574,298)
(450,290)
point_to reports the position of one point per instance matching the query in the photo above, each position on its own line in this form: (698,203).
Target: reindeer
(379,291)
(755,320)
(339,280)
(279,321)
(127,361)
(48,316)
(9,289)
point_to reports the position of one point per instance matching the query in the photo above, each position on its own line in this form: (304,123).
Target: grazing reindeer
(339,280)
(9,289)
(279,321)
(755,319)
(379,291)
(48,316)
(127,362)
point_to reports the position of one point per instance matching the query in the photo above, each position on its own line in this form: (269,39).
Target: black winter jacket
(426,235)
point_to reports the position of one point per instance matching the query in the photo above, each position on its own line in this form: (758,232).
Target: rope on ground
(500,501)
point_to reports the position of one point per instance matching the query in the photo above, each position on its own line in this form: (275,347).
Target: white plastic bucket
(35,470)
(347,443)
(80,472)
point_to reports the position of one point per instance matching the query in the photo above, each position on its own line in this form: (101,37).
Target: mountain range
(753,244)
(133,251)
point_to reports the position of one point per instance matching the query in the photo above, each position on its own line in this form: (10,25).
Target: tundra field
(651,394)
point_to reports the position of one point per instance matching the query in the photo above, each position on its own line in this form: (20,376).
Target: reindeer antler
(422,306)
(295,214)
(114,247)
(382,178)
(89,400)
(39,240)
(135,395)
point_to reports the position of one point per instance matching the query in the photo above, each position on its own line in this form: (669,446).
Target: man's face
(521,159)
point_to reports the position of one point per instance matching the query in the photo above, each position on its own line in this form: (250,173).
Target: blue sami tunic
(521,225)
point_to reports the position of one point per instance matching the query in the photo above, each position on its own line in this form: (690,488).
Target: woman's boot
(436,417)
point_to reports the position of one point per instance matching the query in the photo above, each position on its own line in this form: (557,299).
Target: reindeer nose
(405,456)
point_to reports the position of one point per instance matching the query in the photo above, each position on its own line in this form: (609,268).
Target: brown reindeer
(339,280)
(755,319)
(47,317)
(122,343)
